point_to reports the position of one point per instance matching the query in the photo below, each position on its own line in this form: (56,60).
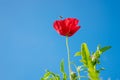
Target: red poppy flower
(66,27)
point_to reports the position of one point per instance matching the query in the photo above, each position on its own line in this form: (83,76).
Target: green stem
(77,72)
(92,72)
(78,75)
(68,51)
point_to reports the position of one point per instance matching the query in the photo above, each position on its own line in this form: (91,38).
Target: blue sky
(29,44)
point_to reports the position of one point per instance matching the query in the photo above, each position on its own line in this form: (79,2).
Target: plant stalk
(68,51)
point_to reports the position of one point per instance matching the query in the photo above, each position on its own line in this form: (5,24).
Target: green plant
(68,27)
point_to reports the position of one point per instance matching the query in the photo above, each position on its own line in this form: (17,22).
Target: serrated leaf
(77,54)
(62,66)
(105,48)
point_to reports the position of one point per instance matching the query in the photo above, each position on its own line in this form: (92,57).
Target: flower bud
(73,76)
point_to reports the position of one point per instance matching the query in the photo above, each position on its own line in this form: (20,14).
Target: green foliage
(77,54)
(91,60)
(62,70)
(62,66)
(104,48)
(85,54)
(50,76)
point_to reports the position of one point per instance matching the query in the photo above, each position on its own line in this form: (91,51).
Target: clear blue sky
(29,44)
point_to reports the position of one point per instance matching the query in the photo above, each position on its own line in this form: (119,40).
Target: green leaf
(62,66)
(64,76)
(50,76)
(77,54)
(51,73)
(62,70)
(83,61)
(85,54)
(105,48)
(57,77)
(46,75)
